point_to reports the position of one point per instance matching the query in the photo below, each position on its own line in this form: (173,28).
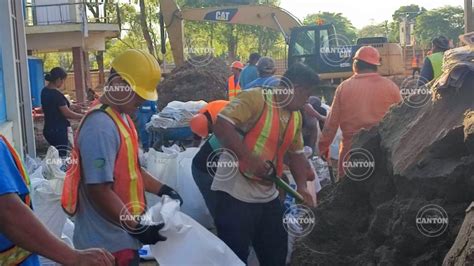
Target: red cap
(237,64)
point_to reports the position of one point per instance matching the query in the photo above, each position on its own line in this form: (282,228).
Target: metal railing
(72,13)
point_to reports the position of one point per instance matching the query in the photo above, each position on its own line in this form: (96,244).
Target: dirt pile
(199,78)
(462,251)
(423,156)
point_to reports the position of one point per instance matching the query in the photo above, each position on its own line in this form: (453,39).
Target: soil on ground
(423,156)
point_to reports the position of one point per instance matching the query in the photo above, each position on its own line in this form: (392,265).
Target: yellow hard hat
(141,71)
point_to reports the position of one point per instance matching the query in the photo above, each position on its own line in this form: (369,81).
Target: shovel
(272,175)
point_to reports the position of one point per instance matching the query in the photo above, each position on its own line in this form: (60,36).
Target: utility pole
(468,17)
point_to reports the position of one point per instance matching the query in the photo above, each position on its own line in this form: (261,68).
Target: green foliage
(447,21)
(51,60)
(376,30)
(342,24)
(409,12)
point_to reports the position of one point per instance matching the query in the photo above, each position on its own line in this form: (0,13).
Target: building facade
(16,122)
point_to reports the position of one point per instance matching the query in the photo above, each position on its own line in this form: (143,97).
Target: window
(304,43)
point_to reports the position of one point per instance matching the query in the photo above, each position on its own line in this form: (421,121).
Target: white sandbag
(171,150)
(47,205)
(32,164)
(68,232)
(194,204)
(142,157)
(163,166)
(52,164)
(188,242)
(37,174)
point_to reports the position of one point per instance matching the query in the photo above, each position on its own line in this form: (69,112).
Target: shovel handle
(282,184)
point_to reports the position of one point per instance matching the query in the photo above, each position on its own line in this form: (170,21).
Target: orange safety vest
(128,181)
(263,138)
(414,62)
(14,254)
(232,88)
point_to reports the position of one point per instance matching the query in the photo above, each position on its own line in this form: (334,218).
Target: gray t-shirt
(229,179)
(99,142)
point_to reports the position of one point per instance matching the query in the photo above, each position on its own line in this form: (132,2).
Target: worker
(415,65)
(250,72)
(22,235)
(360,102)
(432,66)
(104,187)
(203,172)
(314,116)
(57,110)
(266,70)
(261,126)
(143,115)
(233,86)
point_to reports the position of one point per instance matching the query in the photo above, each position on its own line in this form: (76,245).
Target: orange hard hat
(199,125)
(369,55)
(237,64)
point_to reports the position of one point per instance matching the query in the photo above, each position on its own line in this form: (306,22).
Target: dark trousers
(57,137)
(240,224)
(204,181)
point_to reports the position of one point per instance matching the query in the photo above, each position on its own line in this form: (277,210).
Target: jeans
(204,181)
(240,224)
(142,120)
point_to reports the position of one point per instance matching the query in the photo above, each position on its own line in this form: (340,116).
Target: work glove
(166,190)
(148,234)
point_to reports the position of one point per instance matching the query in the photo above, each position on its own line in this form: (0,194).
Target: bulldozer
(318,46)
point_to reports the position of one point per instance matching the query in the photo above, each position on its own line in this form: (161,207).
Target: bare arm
(310,111)
(108,203)
(151,184)
(302,172)
(21,226)
(68,113)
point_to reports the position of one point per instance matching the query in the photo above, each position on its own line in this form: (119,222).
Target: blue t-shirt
(12,182)
(248,74)
(271,81)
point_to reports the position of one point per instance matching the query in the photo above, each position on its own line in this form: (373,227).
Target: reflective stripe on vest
(128,182)
(263,138)
(14,254)
(436,60)
(232,87)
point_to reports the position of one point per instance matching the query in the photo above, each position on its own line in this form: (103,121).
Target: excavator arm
(259,15)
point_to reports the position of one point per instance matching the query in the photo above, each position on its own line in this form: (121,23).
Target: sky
(360,12)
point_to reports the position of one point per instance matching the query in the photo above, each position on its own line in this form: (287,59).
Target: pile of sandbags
(47,179)
(197,79)
(175,114)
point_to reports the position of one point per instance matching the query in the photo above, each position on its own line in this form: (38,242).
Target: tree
(409,13)
(145,28)
(342,24)
(376,30)
(447,21)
